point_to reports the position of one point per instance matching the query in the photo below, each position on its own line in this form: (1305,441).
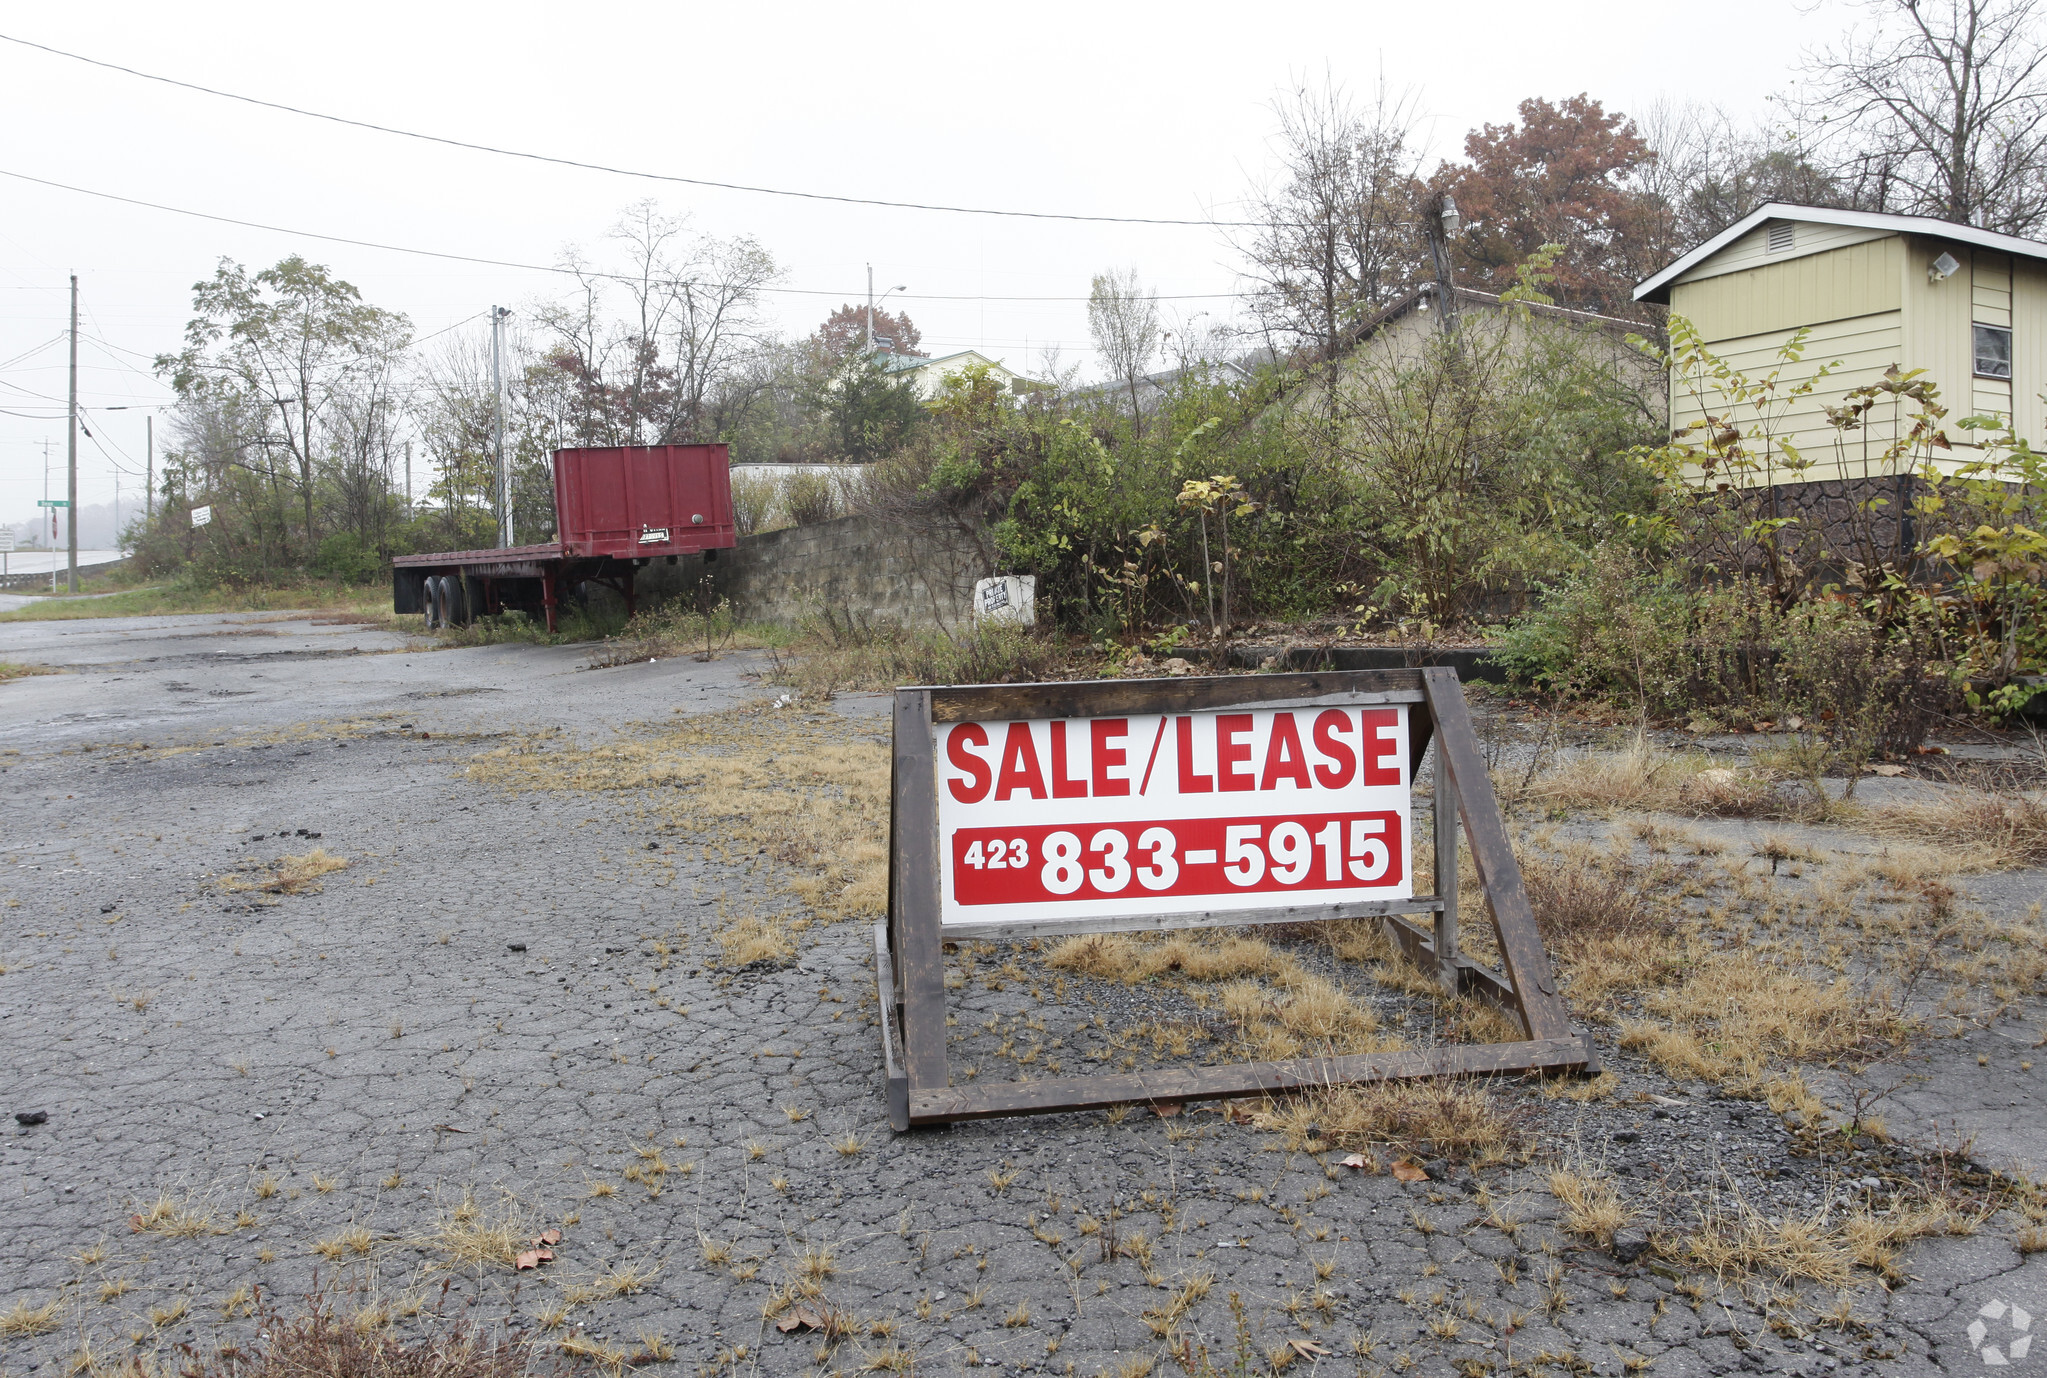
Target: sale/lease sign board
(1162,814)
(1019,811)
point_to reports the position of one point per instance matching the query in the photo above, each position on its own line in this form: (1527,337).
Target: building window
(1993,352)
(1783,235)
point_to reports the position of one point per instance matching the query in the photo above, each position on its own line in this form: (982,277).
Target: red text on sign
(1183,856)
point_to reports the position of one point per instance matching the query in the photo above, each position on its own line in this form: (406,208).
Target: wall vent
(1783,235)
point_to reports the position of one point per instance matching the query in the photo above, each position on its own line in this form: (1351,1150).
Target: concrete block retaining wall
(870,569)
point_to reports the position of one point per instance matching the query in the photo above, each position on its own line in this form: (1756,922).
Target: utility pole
(1440,220)
(53,517)
(497,391)
(71,510)
(149,465)
(867,344)
(408,480)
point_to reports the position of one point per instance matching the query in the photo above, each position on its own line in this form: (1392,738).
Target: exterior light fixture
(1942,268)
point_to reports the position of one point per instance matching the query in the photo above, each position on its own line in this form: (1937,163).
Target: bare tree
(1710,170)
(1939,107)
(1334,239)
(1124,320)
(681,359)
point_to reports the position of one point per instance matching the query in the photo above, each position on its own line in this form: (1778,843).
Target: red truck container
(615,509)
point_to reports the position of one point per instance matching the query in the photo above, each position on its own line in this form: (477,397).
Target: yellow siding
(1863,347)
(1992,397)
(2029,348)
(1990,282)
(1859,280)
(1753,249)
(1937,320)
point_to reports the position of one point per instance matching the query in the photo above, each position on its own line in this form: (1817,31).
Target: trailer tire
(430,602)
(454,607)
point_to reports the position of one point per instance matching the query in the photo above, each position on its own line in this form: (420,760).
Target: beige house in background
(928,373)
(1966,305)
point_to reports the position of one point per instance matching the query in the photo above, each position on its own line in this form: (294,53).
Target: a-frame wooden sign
(1028,810)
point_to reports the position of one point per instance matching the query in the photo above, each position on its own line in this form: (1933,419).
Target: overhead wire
(631,172)
(541,267)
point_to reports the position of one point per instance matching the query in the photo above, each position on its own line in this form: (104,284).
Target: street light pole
(867,344)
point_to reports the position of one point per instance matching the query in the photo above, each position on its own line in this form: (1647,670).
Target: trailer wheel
(447,598)
(460,608)
(429,601)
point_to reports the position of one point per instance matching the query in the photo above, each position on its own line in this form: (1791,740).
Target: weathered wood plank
(1207,918)
(1129,697)
(897,1082)
(920,958)
(1445,811)
(1492,855)
(1180,1084)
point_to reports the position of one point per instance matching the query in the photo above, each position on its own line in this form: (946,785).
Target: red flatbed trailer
(615,509)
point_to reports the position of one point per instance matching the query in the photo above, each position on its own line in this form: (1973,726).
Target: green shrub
(1617,630)
(811,497)
(347,557)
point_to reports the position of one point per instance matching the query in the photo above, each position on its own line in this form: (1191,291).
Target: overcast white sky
(1108,109)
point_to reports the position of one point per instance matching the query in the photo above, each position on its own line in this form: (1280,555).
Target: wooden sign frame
(909,947)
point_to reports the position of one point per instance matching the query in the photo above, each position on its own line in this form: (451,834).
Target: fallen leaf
(549,1237)
(135,1224)
(1167,1110)
(1886,770)
(530,1258)
(1361,1162)
(1308,1349)
(1407,1171)
(801,1316)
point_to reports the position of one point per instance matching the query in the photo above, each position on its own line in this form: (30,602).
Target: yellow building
(1966,305)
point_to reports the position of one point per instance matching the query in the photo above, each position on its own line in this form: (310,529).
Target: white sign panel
(1255,809)
(1007,598)
(202,515)
(6,540)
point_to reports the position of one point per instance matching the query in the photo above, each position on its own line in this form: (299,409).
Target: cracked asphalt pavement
(505,1012)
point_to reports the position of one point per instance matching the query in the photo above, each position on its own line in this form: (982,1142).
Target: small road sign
(202,515)
(53,502)
(6,540)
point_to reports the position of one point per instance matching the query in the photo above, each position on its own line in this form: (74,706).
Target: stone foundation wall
(864,568)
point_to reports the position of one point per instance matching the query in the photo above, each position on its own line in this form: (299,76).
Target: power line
(547,268)
(631,172)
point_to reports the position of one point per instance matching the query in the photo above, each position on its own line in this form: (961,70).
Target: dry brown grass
(1609,922)
(175,1216)
(1592,1206)
(1279,1007)
(802,790)
(1645,780)
(326,1342)
(1133,958)
(25,1318)
(2006,831)
(1454,1117)
(755,938)
(1737,1014)
(469,1235)
(290,875)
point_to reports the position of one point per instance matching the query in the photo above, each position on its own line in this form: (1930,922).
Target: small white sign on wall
(1007,598)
